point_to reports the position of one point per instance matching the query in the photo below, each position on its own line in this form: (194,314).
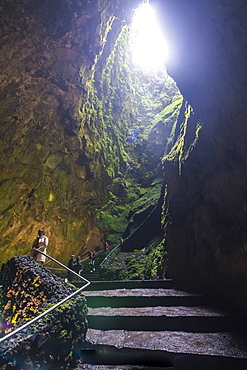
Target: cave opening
(136,105)
(147,42)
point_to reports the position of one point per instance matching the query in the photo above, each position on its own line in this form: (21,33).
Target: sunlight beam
(148,46)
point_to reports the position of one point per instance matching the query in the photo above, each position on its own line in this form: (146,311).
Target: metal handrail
(119,245)
(109,254)
(12,333)
(87,258)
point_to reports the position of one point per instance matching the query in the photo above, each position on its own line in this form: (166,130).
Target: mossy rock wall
(138,111)
(71,157)
(50,171)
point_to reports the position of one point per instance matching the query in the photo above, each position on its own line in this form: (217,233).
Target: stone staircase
(149,325)
(93,273)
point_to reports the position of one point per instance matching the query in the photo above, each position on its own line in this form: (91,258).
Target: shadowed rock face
(207,222)
(27,290)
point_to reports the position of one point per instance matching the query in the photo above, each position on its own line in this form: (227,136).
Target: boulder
(29,289)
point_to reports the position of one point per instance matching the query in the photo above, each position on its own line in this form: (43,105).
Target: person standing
(78,264)
(40,243)
(93,258)
(71,266)
(106,248)
(90,256)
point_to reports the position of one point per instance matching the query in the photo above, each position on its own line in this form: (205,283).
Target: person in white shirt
(41,243)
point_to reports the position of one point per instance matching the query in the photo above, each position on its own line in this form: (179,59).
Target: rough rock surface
(28,290)
(44,180)
(72,136)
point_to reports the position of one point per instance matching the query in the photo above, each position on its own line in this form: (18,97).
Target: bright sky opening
(148,46)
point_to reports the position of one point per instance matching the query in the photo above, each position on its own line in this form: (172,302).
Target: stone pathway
(131,325)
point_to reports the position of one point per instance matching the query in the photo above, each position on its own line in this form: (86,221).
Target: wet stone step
(179,325)
(90,276)
(187,324)
(157,311)
(111,355)
(223,344)
(145,292)
(181,361)
(140,297)
(128,284)
(189,319)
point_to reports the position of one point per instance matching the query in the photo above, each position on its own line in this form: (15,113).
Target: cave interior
(94,149)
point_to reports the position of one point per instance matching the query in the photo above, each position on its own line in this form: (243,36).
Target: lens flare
(148,46)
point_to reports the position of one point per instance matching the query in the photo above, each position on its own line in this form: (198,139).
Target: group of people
(75,264)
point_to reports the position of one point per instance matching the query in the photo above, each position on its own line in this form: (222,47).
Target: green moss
(147,263)
(170,113)
(176,152)
(112,220)
(198,129)
(123,107)
(156,262)
(149,197)
(135,267)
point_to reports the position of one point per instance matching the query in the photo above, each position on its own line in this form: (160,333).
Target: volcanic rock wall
(52,174)
(207,216)
(27,289)
(82,131)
